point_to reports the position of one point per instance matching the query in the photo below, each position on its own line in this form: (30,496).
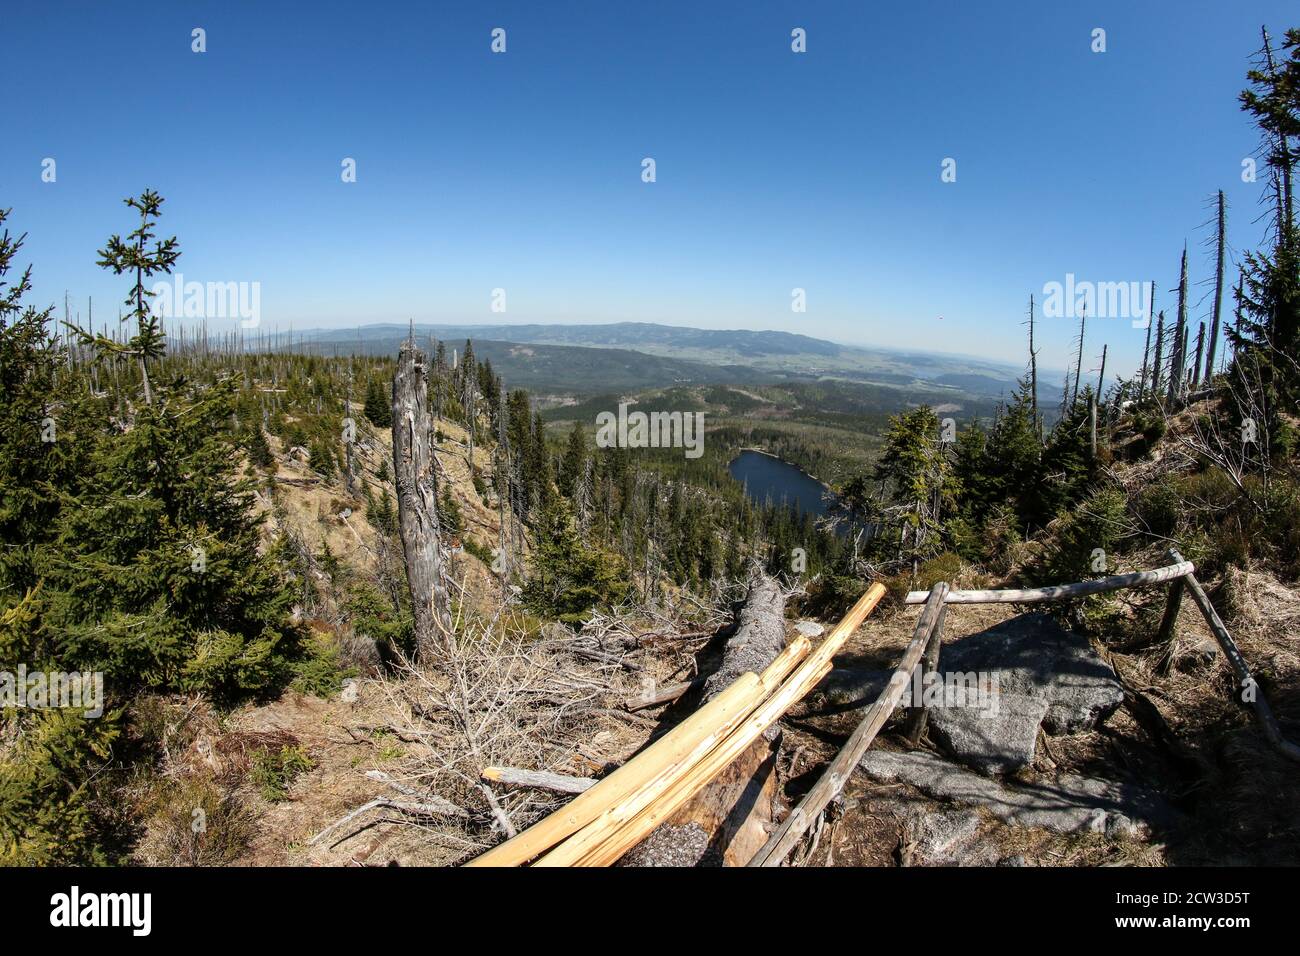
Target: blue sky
(522,170)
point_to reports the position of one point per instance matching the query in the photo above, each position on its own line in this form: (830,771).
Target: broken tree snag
(727,820)
(417,497)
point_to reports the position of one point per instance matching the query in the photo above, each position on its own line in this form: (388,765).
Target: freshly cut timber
(759,620)
(667,752)
(625,825)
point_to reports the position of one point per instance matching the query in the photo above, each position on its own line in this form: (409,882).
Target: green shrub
(321,672)
(275,771)
(1087,539)
(47,815)
(1159,506)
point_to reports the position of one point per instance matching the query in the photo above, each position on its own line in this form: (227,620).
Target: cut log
(728,820)
(627,824)
(417,501)
(670,750)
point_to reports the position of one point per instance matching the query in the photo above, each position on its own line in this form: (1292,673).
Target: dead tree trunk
(1196,365)
(1213,344)
(1078,362)
(1179,354)
(417,498)
(1157,363)
(726,822)
(1033,374)
(1146,356)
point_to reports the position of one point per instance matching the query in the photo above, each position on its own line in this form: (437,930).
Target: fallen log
(728,819)
(538,779)
(429,808)
(666,696)
(625,825)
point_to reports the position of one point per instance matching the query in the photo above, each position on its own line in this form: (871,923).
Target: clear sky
(523,170)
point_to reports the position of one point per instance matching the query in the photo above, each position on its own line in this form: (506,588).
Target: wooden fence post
(918,715)
(1246,691)
(1166,632)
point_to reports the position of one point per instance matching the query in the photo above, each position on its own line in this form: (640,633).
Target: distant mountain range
(583,359)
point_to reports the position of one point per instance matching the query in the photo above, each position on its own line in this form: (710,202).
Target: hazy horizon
(775,170)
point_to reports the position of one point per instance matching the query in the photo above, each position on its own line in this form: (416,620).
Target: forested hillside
(234,536)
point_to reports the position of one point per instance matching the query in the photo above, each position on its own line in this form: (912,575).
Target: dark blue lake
(769,479)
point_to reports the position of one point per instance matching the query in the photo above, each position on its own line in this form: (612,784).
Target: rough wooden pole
(832,781)
(1248,689)
(918,716)
(1167,623)
(417,500)
(1060,591)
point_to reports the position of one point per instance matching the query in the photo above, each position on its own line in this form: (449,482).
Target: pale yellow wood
(624,828)
(733,703)
(627,823)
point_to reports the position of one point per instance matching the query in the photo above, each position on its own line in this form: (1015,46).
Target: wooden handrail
(1061,591)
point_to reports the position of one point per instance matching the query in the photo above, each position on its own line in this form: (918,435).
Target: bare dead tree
(1200,348)
(1078,363)
(1218,290)
(1179,352)
(1157,365)
(505,510)
(417,500)
(1033,372)
(1146,349)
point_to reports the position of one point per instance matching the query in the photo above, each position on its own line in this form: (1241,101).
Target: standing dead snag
(417,497)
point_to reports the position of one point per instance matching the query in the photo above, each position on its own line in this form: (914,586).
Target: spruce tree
(134,255)
(378,407)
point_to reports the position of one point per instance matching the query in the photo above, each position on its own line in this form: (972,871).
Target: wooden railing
(924,650)
(614,814)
